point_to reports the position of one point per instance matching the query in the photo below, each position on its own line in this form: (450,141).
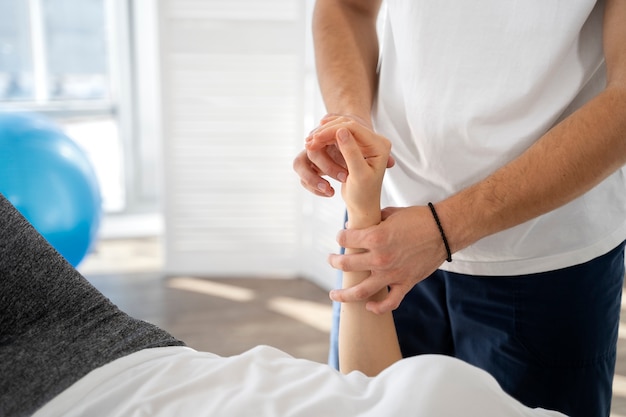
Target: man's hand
(312,164)
(405,248)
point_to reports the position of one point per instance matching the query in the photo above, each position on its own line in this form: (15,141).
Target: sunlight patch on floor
(202,286)
(314,314)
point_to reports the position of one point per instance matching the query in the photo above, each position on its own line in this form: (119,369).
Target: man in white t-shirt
(507,122)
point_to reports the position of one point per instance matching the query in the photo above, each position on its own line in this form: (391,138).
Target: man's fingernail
(342,176)
(322,187)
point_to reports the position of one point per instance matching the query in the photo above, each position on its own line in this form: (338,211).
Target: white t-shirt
(179,381)
(467,86)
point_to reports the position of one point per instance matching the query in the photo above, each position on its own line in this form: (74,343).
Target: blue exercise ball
(50,180)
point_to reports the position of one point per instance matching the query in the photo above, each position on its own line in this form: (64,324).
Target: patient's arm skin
(367,342)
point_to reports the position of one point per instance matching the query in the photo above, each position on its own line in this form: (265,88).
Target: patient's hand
(366,155)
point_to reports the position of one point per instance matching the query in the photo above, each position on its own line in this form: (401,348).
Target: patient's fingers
(326,133)
(350,151)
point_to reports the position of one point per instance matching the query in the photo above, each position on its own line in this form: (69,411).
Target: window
(77,61)
(16,63)
(54,50)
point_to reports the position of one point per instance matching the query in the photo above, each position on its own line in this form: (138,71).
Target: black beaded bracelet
(443,235)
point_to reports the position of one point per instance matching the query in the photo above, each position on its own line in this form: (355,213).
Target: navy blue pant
(548,338)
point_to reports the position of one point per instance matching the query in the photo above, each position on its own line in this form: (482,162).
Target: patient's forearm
(367,342)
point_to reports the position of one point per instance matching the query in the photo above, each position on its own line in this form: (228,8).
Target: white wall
(238,98)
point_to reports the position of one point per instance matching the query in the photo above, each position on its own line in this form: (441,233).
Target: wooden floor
(229,316)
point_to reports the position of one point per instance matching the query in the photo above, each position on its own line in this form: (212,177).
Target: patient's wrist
(362,217)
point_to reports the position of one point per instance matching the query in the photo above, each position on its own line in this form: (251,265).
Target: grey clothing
(55,327)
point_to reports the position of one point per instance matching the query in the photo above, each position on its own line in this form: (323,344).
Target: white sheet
(179,381)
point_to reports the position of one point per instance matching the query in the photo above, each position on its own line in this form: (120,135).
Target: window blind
(234,102)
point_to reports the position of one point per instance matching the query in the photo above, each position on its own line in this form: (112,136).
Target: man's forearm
(569,160)
(346,54)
